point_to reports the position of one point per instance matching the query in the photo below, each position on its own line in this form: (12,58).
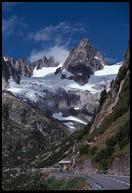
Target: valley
(76,111)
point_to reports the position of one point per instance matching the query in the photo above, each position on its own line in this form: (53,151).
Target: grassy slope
(34,181)
(112,136)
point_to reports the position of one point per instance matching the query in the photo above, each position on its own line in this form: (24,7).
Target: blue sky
(31,30)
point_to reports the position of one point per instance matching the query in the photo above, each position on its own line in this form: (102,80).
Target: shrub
(111,141)
(84,149)
(123,136)
(102,157)
(93,150)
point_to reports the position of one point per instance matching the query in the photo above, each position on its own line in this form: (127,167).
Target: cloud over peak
(59,53)
(57,32)
(58,38)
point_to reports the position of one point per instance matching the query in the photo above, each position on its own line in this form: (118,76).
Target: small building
(64,164)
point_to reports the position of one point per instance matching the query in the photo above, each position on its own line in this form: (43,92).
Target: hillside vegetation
(112,137)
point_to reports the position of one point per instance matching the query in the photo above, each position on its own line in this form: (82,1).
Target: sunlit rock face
(83,61)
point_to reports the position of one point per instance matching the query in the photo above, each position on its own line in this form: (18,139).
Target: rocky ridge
(25,68)
(83,61)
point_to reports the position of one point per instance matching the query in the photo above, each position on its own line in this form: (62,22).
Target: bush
(102,157)
(111,141)
(83,132)
(93,150)
(123,136)
(105,153)
(84,149)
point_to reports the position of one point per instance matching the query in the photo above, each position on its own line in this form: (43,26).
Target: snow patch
(76,108)
(71,118)
(99,59)
(44,71)
(69,125)
(60,117)
(5,59)
(67,73)
(108,70)
(32,95)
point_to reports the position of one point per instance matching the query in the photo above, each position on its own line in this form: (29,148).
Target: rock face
(8,71)
(111,126)
(120,165)
(26,131)
(83,61)
(114,93)
(84,167)
(23,67)
(44,62)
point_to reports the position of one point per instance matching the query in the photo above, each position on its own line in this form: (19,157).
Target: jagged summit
(83,61)
(84,42)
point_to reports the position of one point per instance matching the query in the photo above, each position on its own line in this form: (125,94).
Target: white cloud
(59,36)
(8,25)
(57,32)
(13,24)
(59,53)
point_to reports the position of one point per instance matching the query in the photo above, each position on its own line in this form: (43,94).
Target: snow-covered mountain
(70,96)
(45,79)
(49,92)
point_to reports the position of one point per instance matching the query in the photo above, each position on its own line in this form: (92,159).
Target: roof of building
(64,162)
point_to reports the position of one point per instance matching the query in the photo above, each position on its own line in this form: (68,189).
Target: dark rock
(44,62)
(23,67)
(58,70)
(9,71)
(63,76)
(83,61)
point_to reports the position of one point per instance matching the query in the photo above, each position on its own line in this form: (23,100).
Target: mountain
(114,93)
(25,68)
(105,142)
(8,71)
(44,62)
(27,132)
(53,88)
(83,61)
(47,117)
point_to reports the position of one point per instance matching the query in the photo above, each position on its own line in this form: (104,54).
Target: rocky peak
(21,61)
(40,63)
(23,67)
(81,54)
(45,62)
(9,60)
(8,71)
(83,61)
(84,43)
